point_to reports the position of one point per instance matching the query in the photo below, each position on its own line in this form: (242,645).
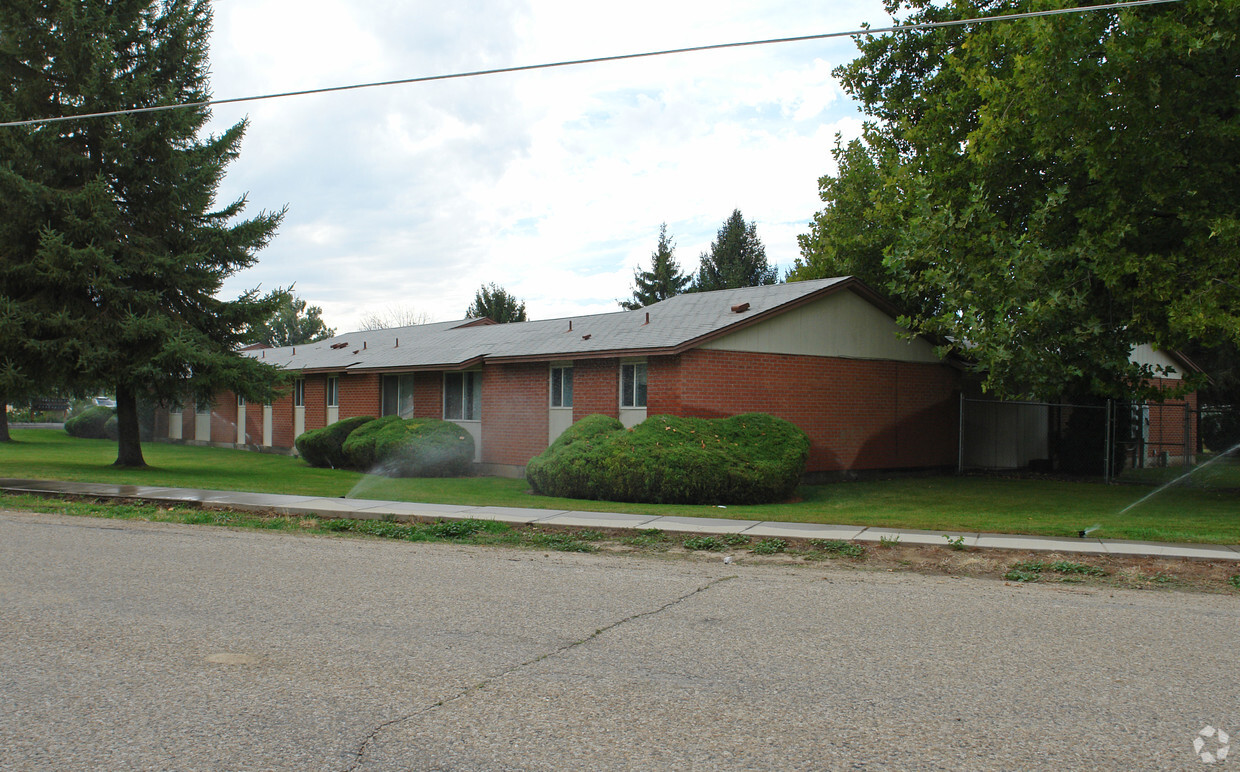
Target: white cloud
(551,183)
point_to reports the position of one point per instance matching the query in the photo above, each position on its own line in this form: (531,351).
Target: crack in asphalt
(359,753)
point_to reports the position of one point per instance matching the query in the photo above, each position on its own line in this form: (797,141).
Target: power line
(593,60)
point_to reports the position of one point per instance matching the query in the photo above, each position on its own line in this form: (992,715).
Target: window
(175,409)
(299,392)
(202,408)
(333,392)
(633,385)
(561,387)
(462,396)
(240,401)
(398,395)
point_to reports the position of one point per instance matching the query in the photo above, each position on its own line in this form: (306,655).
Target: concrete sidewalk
(370,509)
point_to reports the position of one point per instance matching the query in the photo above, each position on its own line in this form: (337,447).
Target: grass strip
(1199,513)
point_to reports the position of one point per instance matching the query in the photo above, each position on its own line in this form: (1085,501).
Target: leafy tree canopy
(737,258)
(494,302)
(1055,191)
(662,281)
(292,323)
(112,250)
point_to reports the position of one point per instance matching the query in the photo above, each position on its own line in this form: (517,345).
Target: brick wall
(428,395)
(859,414)
(596,388)
(1167,423)
(316,402)
(360,395)
(187,421)
(282,421)
(224,418)
(514,412)
(254,423)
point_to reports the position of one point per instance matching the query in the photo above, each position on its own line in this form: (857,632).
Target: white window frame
(333,391)
(202,408)
(299,392)
(630,371)
(471,384)
(240,401)
(561,376)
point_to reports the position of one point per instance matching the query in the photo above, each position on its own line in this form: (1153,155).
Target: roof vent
(647,319)
(340,345)
(740,309)
(585,337)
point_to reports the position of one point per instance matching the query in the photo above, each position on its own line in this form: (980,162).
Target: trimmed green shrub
(325,447)
(90,423)
(746,459)
(417,447)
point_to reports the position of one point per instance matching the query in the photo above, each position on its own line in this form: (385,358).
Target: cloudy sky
(551,183)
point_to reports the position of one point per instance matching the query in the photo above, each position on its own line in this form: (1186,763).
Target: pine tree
(736,258)
(120,247)
(662,281)
(495,303)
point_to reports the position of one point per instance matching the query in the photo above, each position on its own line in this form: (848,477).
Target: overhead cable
(595,60)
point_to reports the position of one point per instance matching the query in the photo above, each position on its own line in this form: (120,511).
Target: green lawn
(946,503)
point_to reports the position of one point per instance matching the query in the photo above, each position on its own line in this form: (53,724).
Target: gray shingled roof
(674,325)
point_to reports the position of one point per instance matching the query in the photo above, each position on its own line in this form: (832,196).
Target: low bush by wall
(746,459)
(325,447)
(91,423)
(416,447)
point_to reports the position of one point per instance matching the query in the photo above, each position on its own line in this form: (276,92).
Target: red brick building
(826,355)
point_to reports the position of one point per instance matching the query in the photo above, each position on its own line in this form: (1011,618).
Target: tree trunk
(128,438)
(4,419)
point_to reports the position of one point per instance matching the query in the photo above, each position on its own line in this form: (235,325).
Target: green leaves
(111,242)
(737,258)
(1053,192)
(495,303)
(662,281)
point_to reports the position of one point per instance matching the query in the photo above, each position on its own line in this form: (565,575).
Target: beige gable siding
(1146,354)
(839,325)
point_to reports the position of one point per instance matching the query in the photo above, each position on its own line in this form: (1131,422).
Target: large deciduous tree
(115,250)
(736,258)
(293,323)
(1061,188)
(497,304)
(662,281)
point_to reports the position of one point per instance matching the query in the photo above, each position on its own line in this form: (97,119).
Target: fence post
(960,438)
(1106,447)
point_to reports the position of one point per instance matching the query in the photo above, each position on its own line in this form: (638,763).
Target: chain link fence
(1140,442)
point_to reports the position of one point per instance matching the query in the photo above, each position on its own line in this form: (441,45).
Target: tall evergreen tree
(497,304)
(662,281)
(736,258)
(117,250)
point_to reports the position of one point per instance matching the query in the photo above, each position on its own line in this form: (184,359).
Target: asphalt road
(143,646)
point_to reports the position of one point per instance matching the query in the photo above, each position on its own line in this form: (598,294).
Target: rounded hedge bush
(415,447)
(325,447)
(90,423)
(751,458)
